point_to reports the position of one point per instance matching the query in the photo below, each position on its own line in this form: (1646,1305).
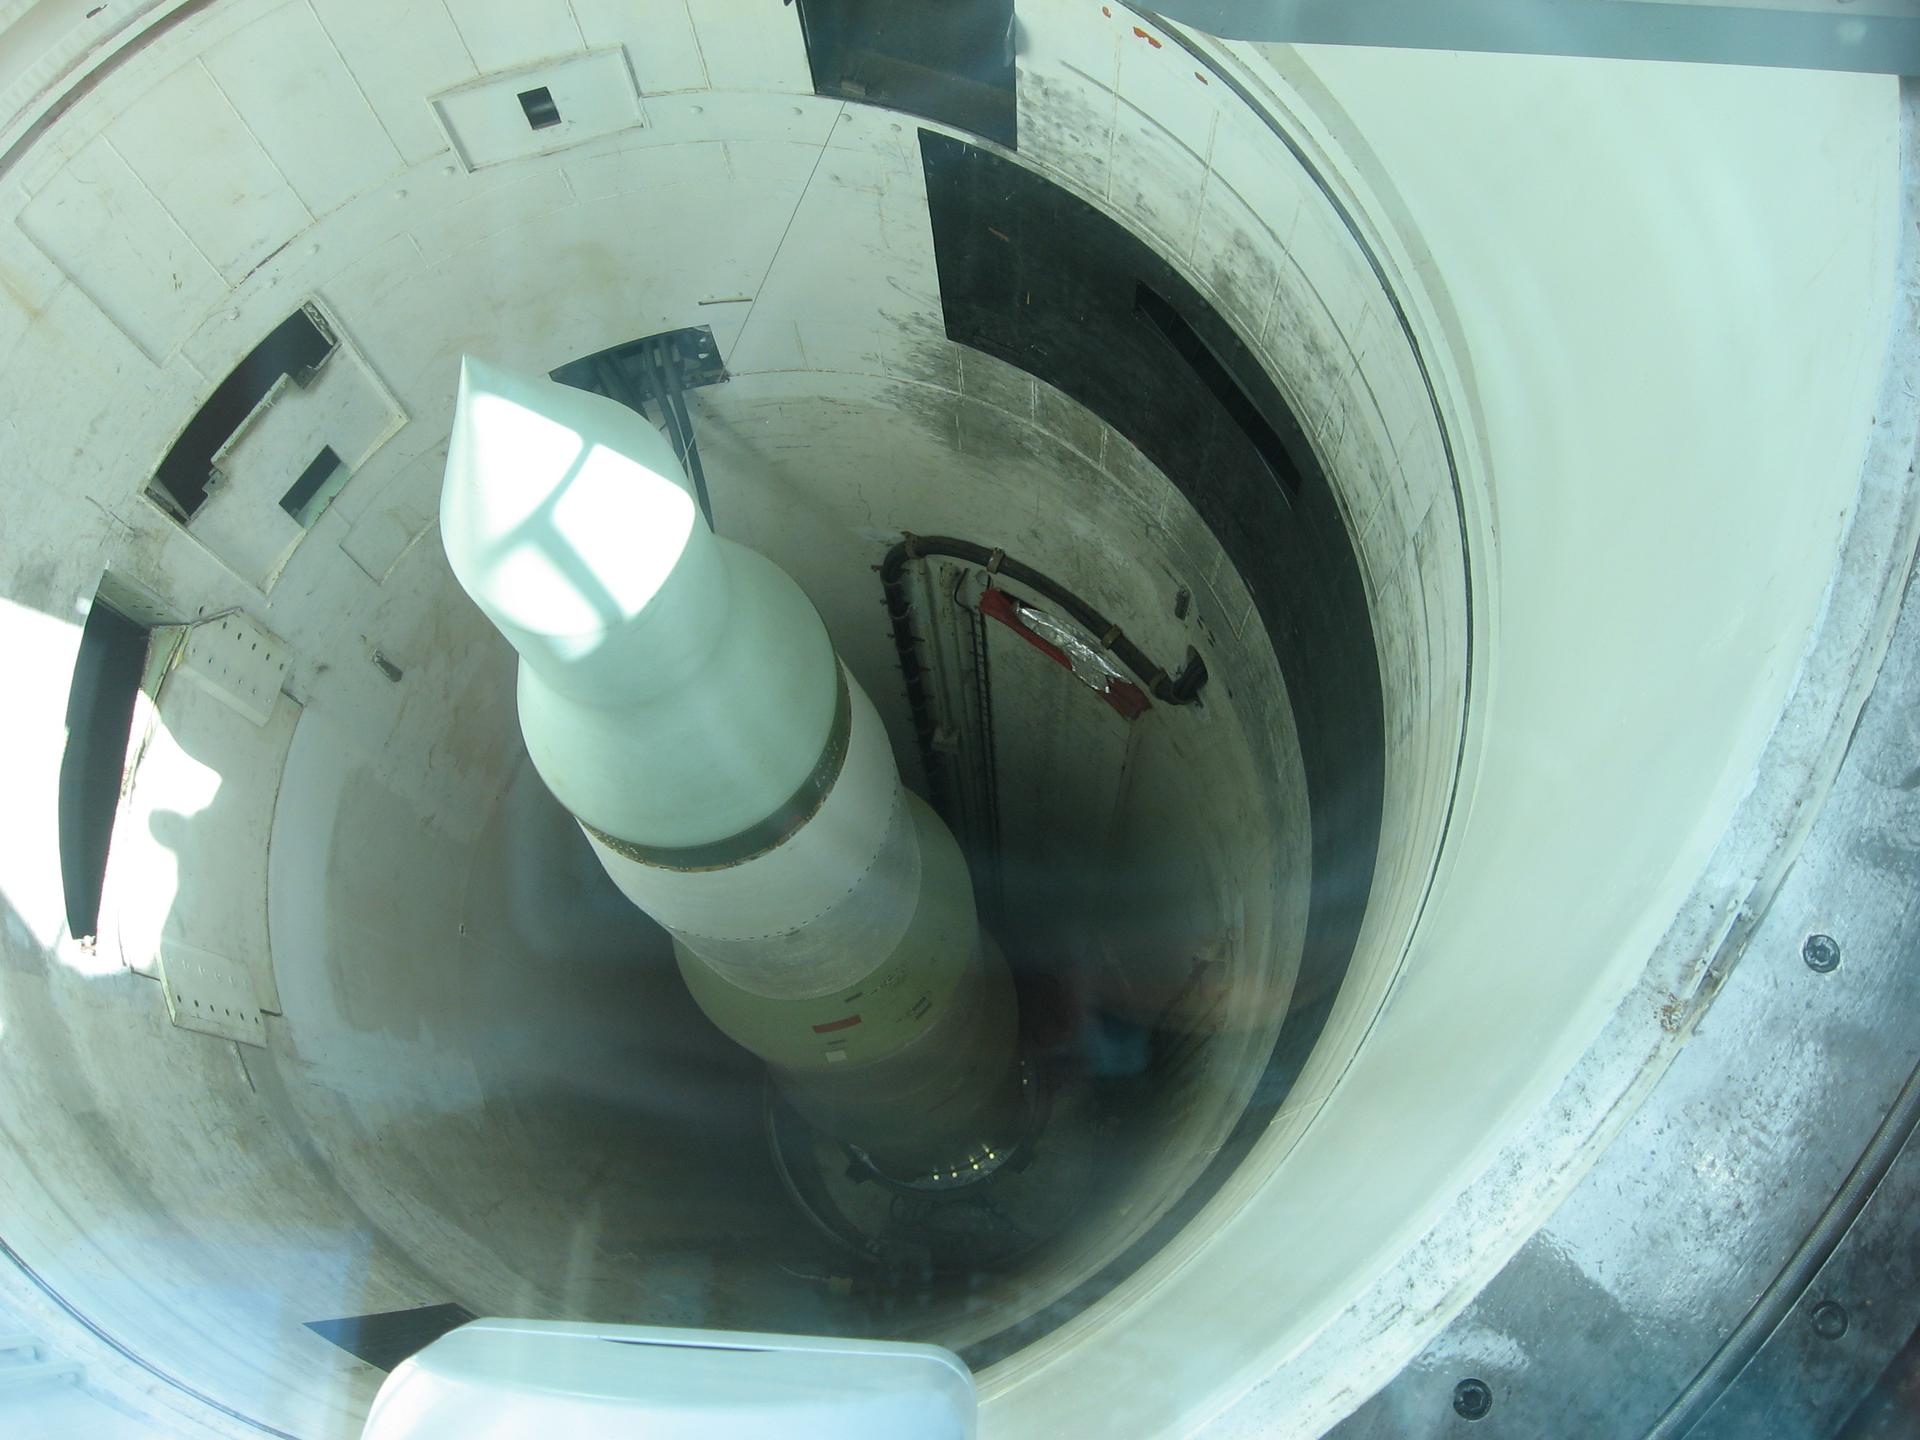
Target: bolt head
(1472,1399)
(1822,954)
(1829,1319)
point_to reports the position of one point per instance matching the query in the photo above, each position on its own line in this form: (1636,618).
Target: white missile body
(680,696)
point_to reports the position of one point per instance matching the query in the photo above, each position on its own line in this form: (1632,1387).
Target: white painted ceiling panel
(118,244)
(750,116)
(773,160)
(647,167)
(1170,109)
(285,77)
(490,212)
(374,281)
(659,41)
(400,52)
(1274,194)
(1233,259)
(858,245)
(1162,83)
(507,34)
(397,516)
(1157,192)
(752,46)
(222,189)
(542,280)
(592,95)
(241,524)
(28,280)
(1336,273)
(71,362)
(1066,121)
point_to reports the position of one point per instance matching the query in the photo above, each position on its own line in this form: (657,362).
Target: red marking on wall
(1201,78)
(1146,37)
(845,1022)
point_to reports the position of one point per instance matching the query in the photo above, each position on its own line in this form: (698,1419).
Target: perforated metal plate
(210,993)
(239,660)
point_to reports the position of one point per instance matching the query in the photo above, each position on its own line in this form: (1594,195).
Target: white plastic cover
(495,1379)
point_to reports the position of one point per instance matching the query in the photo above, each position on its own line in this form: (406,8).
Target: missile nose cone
(564,514)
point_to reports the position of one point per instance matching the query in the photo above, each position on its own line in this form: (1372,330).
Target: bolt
(1822,954)
(1472,1399)
(1829,1319)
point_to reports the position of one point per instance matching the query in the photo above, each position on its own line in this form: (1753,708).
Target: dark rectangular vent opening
(300,499)
(385,1339)
(106,678)
(539,108)
(1208,368)
(297,347)
(946,61)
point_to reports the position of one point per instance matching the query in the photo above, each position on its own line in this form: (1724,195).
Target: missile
(680,696)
